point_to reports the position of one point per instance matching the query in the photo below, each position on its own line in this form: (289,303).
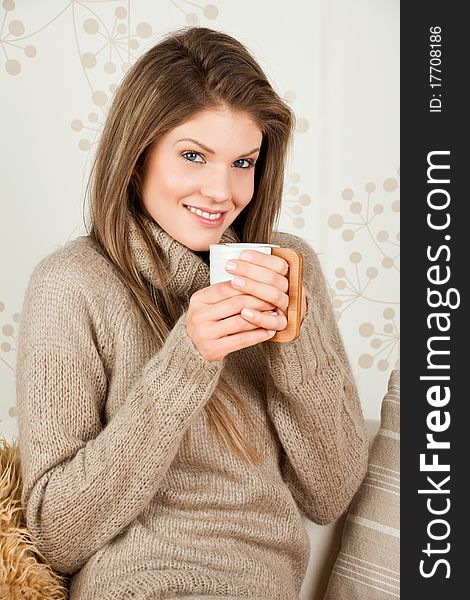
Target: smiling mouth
(210,216)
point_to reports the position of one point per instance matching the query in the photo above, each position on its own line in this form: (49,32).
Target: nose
(216,184)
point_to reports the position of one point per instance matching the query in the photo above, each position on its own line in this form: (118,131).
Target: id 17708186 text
(435,71)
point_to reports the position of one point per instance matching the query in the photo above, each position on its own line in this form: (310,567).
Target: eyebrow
(209,149)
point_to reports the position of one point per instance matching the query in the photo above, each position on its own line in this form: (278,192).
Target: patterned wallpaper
(375,252)
(334,61)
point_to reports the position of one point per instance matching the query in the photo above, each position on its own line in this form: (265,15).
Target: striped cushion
(367,566)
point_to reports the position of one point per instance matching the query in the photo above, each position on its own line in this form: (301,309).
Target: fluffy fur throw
(23,572)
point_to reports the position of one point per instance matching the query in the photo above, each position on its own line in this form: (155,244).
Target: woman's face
(207,163)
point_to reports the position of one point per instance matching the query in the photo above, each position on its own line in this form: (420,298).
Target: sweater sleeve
(313,402)
(84,482)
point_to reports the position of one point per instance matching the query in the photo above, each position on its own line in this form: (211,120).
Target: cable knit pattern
(125,487)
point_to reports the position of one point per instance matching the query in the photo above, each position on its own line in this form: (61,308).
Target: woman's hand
(215,325)
(264,276)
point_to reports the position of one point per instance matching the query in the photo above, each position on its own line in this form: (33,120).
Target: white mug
(219,254)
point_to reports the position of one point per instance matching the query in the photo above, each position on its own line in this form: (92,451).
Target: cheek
(244,191)
(174,180)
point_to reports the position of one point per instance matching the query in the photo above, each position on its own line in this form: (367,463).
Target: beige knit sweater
(125,488)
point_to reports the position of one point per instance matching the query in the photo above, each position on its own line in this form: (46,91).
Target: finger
(262,290)
(233,306)
(230,326)
(263,274)
(269,261)
(237,341)
(268,319)
(215,293)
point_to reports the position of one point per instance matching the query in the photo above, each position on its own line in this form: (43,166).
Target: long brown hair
(190,70)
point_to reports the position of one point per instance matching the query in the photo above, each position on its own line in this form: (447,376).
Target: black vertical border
(422,132)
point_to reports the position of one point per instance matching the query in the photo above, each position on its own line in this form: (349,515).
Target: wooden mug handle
(294,310)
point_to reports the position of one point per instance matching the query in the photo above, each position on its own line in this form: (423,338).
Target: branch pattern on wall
(8,338)
(355,282)
(91,14)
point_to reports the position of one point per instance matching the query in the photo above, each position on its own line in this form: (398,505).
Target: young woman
(168,447)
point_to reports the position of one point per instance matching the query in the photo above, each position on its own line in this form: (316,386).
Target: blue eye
(250,163)
(184,155)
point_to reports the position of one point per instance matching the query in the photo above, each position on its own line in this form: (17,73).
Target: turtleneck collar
(187,272)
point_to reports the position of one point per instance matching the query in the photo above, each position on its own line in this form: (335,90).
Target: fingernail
(237,281)
(247,313)
(271,332)
(230,265)
(246,255)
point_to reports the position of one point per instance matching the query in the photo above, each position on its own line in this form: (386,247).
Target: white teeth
(206,215)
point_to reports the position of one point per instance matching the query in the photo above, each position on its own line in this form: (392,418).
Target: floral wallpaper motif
(8,338)
(294,202)
(88,16)
(106,43)
(369,225)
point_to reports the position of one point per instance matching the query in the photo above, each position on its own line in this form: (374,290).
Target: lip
(206,222)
